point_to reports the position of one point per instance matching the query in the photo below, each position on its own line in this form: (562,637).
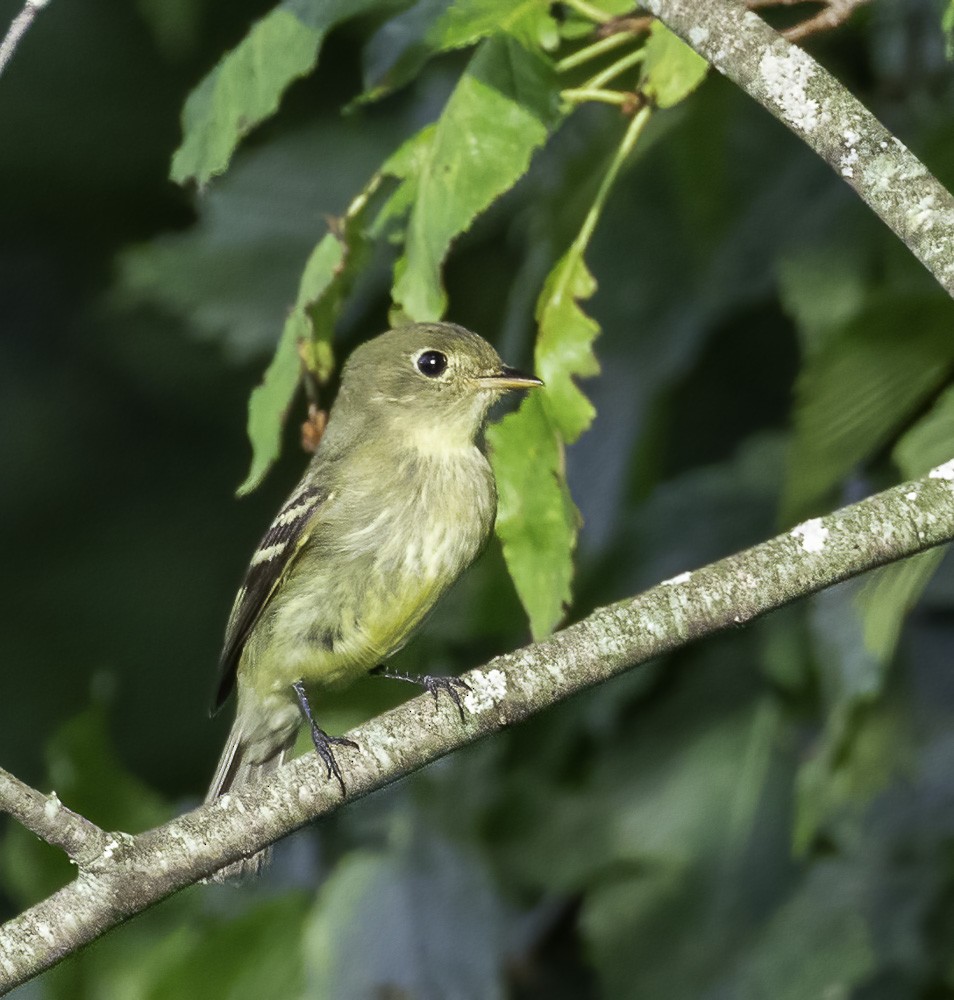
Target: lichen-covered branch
(18,28)
(50,820)
(819,110)
(132,873)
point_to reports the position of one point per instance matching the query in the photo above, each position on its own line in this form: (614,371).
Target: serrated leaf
(564,347)
(537,521)
(670,70)
(246,85)
(402,46)
(855,392)
(499,113)
(268,405)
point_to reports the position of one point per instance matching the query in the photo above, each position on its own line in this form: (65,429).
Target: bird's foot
(323,742)
(451,686)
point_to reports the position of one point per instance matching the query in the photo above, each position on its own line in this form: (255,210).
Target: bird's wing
(274,557)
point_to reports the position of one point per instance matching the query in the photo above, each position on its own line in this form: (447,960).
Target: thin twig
(832,15)
(18,29)
(51,821)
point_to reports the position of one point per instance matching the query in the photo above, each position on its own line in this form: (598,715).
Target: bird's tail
(235,771)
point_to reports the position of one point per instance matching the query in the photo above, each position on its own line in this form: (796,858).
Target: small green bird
(396,503)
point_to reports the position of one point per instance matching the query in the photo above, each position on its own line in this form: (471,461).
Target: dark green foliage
(769,814)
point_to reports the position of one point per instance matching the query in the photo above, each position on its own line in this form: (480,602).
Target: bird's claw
(323,744)
(429,682)
(450,686)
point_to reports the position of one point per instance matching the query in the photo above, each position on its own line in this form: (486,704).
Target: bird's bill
(509,378)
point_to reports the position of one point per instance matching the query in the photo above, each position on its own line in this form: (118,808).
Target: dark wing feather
(270,564)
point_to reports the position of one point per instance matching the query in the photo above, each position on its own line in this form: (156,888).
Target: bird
(396,502)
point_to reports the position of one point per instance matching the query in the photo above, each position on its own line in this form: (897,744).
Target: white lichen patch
(110,849)
(676,580)
(913,495)
(812,534)
(945,471)
(786,79)
(697,35)
(922,215)
(486,690)
(223,801)
(45,932)
(52,806)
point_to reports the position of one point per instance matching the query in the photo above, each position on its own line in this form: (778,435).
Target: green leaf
(861,747)
(930,442)
(857,390)
(819,945)
(670,70)
(564,346)
(269,403)
(889,594)
(245,87)
(402,46)
(824,287)
(537,521)
(419,920)
(245,957)
(499,113)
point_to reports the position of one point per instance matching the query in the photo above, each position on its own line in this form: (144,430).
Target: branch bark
(832,15)
(819,110)
(50,820)
(18,28)
(132,873)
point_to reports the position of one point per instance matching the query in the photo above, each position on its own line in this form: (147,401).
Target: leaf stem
(580,95)
(620,66)
(584,55)
(630,138)
(590,12)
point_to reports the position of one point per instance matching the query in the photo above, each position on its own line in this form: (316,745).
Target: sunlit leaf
(247,84)
(499,113)
(564,347)
(536,520)
(670,70)
(402,46)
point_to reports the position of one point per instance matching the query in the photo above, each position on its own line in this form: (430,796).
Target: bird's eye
(432,363)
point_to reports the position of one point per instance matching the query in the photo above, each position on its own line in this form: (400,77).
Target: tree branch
(833,14)
(818,109)
(133,873)
(50,820)
(18,28)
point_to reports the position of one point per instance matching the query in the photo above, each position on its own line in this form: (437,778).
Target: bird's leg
(323,742)
(449,685)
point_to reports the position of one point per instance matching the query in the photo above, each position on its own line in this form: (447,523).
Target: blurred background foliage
(767,814)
